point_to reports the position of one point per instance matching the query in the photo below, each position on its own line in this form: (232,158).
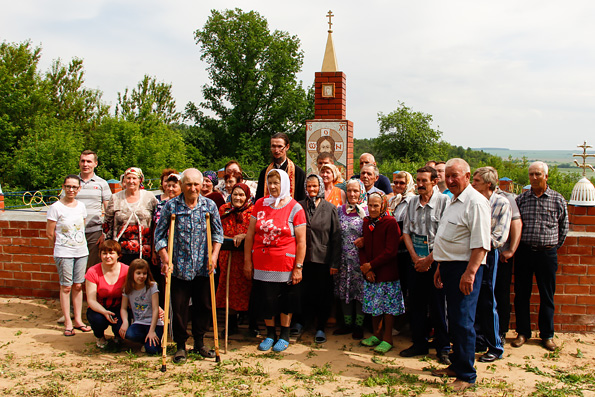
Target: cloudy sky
(516,74)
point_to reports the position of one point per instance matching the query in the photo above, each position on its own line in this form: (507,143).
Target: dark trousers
(138,333)
(317,294)
(199,290)
(544,265)
(487,324)
(427,309)
(461,318)
(502,293)
(99,323)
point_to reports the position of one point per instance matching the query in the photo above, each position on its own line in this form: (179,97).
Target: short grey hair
(489,175)
(459,161)
(374,168)
(542,165)
(190,171)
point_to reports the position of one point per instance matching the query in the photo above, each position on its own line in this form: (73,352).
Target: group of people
(438,247)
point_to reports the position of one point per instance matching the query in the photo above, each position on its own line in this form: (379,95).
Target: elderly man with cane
(191,261)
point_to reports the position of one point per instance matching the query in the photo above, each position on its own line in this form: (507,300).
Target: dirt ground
(36,359)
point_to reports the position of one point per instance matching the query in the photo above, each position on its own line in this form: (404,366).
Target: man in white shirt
(460,247)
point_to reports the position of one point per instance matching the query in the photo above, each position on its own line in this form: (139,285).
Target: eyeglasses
(400,183)
(71,187)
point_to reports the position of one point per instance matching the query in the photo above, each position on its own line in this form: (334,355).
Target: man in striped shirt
(545,225)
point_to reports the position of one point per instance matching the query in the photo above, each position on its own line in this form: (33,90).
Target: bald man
(382,183)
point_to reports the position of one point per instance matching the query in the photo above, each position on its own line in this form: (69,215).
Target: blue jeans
(138,333)
(487,324)
(461,318)
(544,265)
(99,323)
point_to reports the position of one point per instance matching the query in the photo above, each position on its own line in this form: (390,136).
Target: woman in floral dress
(349,280)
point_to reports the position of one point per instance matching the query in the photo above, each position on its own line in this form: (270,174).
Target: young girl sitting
(142,295)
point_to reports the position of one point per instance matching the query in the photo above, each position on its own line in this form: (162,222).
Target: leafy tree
(253,91)
(406,135)
(47,154)
(148,101)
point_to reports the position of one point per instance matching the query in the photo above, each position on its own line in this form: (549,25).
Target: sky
(508,74)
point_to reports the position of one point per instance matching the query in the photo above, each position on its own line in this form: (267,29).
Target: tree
(148,101)
(253,91)
(407,135)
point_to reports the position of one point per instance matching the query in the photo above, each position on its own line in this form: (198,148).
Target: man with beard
(297,176)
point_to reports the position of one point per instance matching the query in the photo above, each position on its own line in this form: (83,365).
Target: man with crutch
(191,262)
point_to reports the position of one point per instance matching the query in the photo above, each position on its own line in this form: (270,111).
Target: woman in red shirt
(274,251)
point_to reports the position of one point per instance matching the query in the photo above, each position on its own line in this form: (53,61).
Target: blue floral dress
(349,282)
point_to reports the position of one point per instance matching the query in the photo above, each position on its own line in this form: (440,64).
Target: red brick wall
(330,108)
(27,266)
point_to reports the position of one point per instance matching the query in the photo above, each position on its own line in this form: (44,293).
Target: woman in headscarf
(323,245)
(235,218)
(331,176)
(274,251)
(128,217)
(382,291)
(404,189)
(207,190)
(349,280)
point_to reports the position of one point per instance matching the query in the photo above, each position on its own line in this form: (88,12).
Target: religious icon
(328,90)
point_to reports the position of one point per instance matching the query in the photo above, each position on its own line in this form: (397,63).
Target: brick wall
(27,267)
(330,108)
(26,259)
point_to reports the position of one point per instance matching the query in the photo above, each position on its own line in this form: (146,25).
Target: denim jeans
(99,323)
(138,333)
(461,318)
(544,265)
(487,323)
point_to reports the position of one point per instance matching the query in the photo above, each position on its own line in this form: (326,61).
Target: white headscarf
(284,188)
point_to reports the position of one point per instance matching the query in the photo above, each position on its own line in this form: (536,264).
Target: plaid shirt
(545,218)
(190,256)
(501,216)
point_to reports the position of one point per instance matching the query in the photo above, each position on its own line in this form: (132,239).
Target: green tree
(253,91)
(406,135)
(150,100)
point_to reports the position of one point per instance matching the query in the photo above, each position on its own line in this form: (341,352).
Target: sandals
(371,341)
(69,332)
(266,344)
(296,329)
(281,345)
(383,347)
(205,352)
(84,328)
(320,336)
(180,356)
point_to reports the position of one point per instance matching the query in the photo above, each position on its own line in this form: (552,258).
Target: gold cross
(330,24)
(584,155)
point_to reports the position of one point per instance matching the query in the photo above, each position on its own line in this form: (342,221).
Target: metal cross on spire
(330,23)
(584,155)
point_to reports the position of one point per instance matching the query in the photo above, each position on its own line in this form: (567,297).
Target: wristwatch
(299,265)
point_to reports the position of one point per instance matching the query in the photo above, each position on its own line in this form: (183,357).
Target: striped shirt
(545,218)
(501,216)
(423,219)
(93,193)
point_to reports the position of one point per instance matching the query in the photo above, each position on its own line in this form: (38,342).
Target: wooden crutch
(170,267)
(212,280)
(227,299)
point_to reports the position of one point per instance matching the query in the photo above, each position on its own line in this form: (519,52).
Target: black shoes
(443,357)
(488,358)
(414,351)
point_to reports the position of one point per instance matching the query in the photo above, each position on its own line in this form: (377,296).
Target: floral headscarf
(311,201)
(212,175)
(134,171)
(285,188)
(383,208)
(337,177)
(360,206)
(247,204)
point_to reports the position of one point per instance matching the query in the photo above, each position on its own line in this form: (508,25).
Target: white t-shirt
(70,230)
